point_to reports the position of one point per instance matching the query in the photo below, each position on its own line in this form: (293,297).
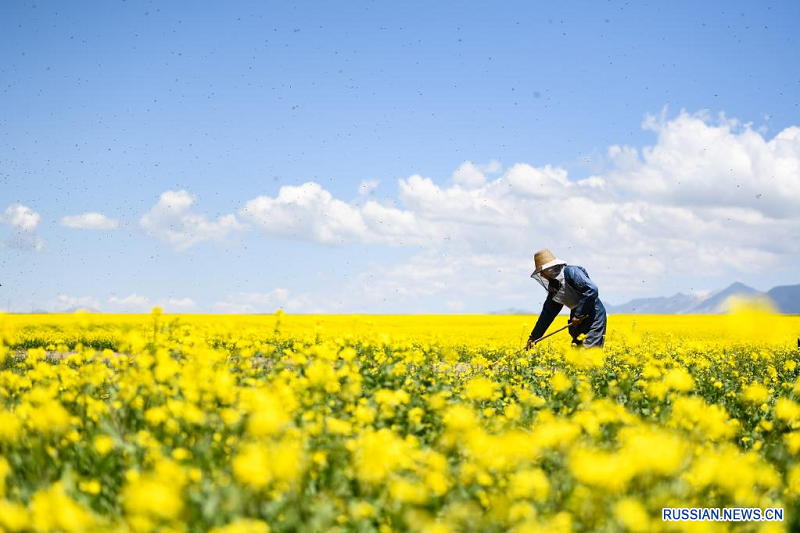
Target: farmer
(568,285)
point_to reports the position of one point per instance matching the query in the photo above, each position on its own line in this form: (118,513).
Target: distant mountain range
(67,310)
(786,298)
(512,311)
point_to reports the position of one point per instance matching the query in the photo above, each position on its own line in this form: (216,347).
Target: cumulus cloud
(24,221)
(172,222)
(367,187)
(710,195)
(253,302)
(697,162)
(89,221)
(492,167)
(546,183)
(133,299)
(180,303)
(132,302)
(309,212)
(468,175)
(22,217)
(65,302)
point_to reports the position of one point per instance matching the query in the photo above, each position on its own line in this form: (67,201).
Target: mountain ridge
(786,299)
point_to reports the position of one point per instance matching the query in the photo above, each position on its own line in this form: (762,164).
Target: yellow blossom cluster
(138,423)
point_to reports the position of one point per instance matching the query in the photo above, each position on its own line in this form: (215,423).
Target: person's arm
(578,278)
(550,310)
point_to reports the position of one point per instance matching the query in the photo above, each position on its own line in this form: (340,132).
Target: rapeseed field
(393,423)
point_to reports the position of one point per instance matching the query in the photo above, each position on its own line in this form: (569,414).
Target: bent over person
(568,285)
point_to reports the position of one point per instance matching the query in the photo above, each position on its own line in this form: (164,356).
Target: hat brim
(552,263)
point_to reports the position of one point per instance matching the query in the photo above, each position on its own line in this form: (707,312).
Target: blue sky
(105,106)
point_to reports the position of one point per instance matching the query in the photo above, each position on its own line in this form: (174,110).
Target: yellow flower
(52,509)
(13,517)
(793,480)
(379,453)
(49,417)
(585,358)
(652,450)
(529,484)
(560,382)
(365,415)
(481,389)
(181,454)
(320,373)
(679,379)
(787,410)
(459,418)
(755,394)
(360,510)
(632,514)
(10,427)
(267,414)
(439,423)
(405,491)
(259,465)
(148,496)
(415,415)
(243,525)
(337,426)
(792,441)
(103,444)
(695,415)
(90,487)
(602,470)
(5,469)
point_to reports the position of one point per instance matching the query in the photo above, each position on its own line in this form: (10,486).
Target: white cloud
(171,222)
(367,187)
(253,302)
(133,299)
(181,303)
(468,175)
(132,302)
(89,221)
(696,162)
(22,217)
(492,167)
(592,181)
(306,212)
(547,183)
(309,212)
(484,205)
(391,225)
(24,222)
(707,198)
(64,302)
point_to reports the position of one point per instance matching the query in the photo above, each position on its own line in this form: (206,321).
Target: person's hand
(529,345)
(576,320)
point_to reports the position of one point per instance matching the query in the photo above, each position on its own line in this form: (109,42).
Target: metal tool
(556,331)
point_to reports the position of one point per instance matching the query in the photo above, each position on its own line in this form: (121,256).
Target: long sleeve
(550,310)
(578,278)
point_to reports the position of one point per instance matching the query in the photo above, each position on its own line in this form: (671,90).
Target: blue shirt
(578,278)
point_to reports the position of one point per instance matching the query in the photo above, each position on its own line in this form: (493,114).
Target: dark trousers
(593,326)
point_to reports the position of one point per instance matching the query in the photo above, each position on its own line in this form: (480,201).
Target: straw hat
(545,259)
